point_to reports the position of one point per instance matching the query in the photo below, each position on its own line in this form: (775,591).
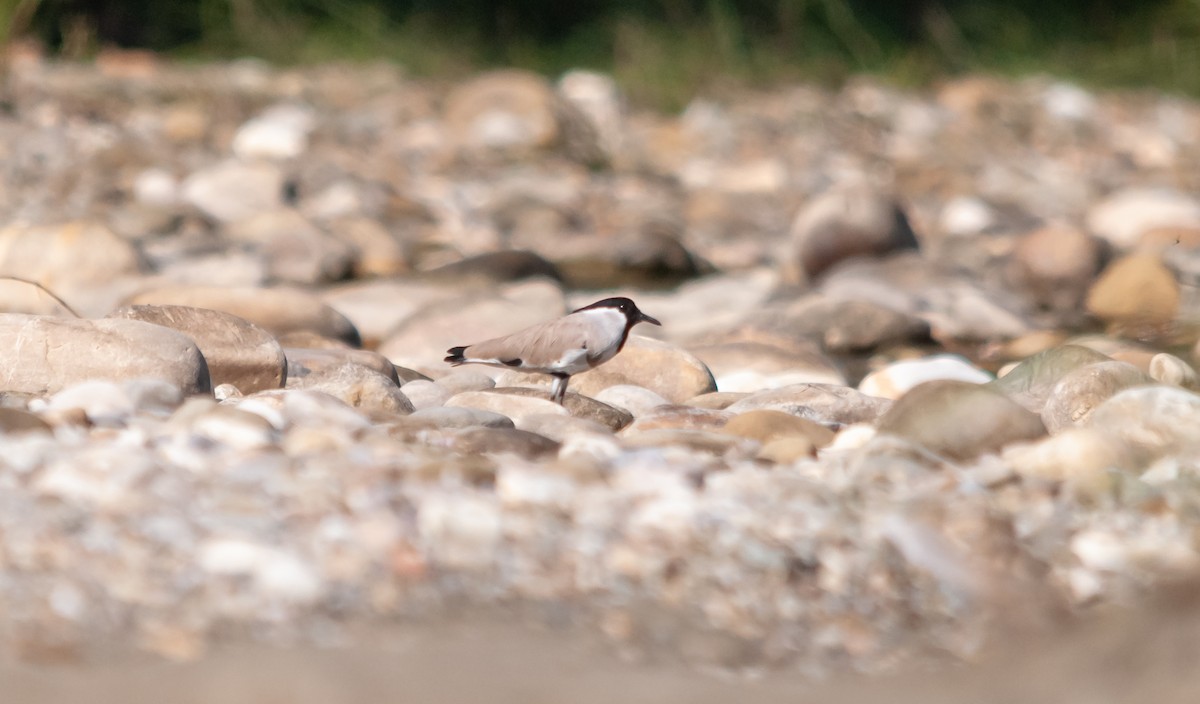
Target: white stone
(280,132)
(1122,217)
(966,215)
(234,190)
(898,377)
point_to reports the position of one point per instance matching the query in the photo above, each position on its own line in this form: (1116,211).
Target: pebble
(1081,390)
(826,404)
(1137,289)
(358,387)
(897,378)
(845,222)
(237,351)
(234,190)
(636,400)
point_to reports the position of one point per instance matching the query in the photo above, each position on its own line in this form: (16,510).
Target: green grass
(666,51)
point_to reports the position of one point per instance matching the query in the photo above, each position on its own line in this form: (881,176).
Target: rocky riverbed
(925,376)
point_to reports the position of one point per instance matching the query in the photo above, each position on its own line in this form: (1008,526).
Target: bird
(582,340)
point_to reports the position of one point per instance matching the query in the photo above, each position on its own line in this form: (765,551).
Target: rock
(1081,390)
(680,418)
(227,425)
(42,355)
(461,418)
(15,421)
(515,406)
(562,428)
(768,426)
(1150,421)
(661,367)
(598,98)
(1135,290)
(78,261)
(1055,266)
(496,267)
(827,404)
(466,379)
(652,256)
(788,449)
(1169,369)
(847,222)
(708,442)
(278,310)
(717,400)
(637,400)
(238,352)
(378,308)
(376,250)
(1081,456)
(502,111)
(1031,382)
(279,132)
(959,420)
(578,406)
(839,325)
(1124,216)
(422,340)
(425,394)
(481,441)
(302,362)
(31,299)
(755,366)
(295,250)
(358,387)
(897,378)
(235,190)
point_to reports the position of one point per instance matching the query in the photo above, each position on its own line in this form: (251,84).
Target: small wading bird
(575,343)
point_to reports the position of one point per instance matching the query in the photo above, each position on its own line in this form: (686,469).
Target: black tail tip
(454,355)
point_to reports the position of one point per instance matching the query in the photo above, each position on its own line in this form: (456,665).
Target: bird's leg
(560,388)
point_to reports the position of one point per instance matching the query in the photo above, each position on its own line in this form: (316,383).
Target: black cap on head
(626,306)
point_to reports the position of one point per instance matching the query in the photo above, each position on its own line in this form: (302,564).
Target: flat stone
(278,310)
(357,386)
(827,404)
(302,362)
(680,417)
(767,426)
(563,428)
(238,352)
(42,355)
(523,443)
(234,190)
(1081,390)
(425,394)
(635,399)
(717,400)
(515,406)
(461,417)
(960,420)
(708,442)
(577,405)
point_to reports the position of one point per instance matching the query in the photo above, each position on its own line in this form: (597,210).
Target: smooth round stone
(838,325)
(15,421)
(42,354)
(231,426)
(502,111)
(717,400)
(824,403)
(295,250)
(959,420)
(65,257)
(578,406)
(523,443)
(754,366)
(234,190)
(30,299)
(285,408)
(635,399)
(560,428)
(514,406)
(425,394)
(461,417)
(1055,265)
(1077,455)
(358,387)
(279,132)
(153,396)
(1136,289)
(713,443)
(466,379)
(767,426)
(302,361)
(679,417)
(1150,420)
(789,449)
(897,378)
(1081,390)
(103,402)
(846,222)
(1169,369)
(1122,218)
(237,351)
(1031,381)
(278,310)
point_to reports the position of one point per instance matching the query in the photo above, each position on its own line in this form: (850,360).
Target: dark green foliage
(665,49)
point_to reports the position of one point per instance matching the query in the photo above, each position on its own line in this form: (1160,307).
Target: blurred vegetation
(661,50)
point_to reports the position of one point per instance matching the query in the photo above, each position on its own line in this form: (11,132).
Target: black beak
(643,318)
